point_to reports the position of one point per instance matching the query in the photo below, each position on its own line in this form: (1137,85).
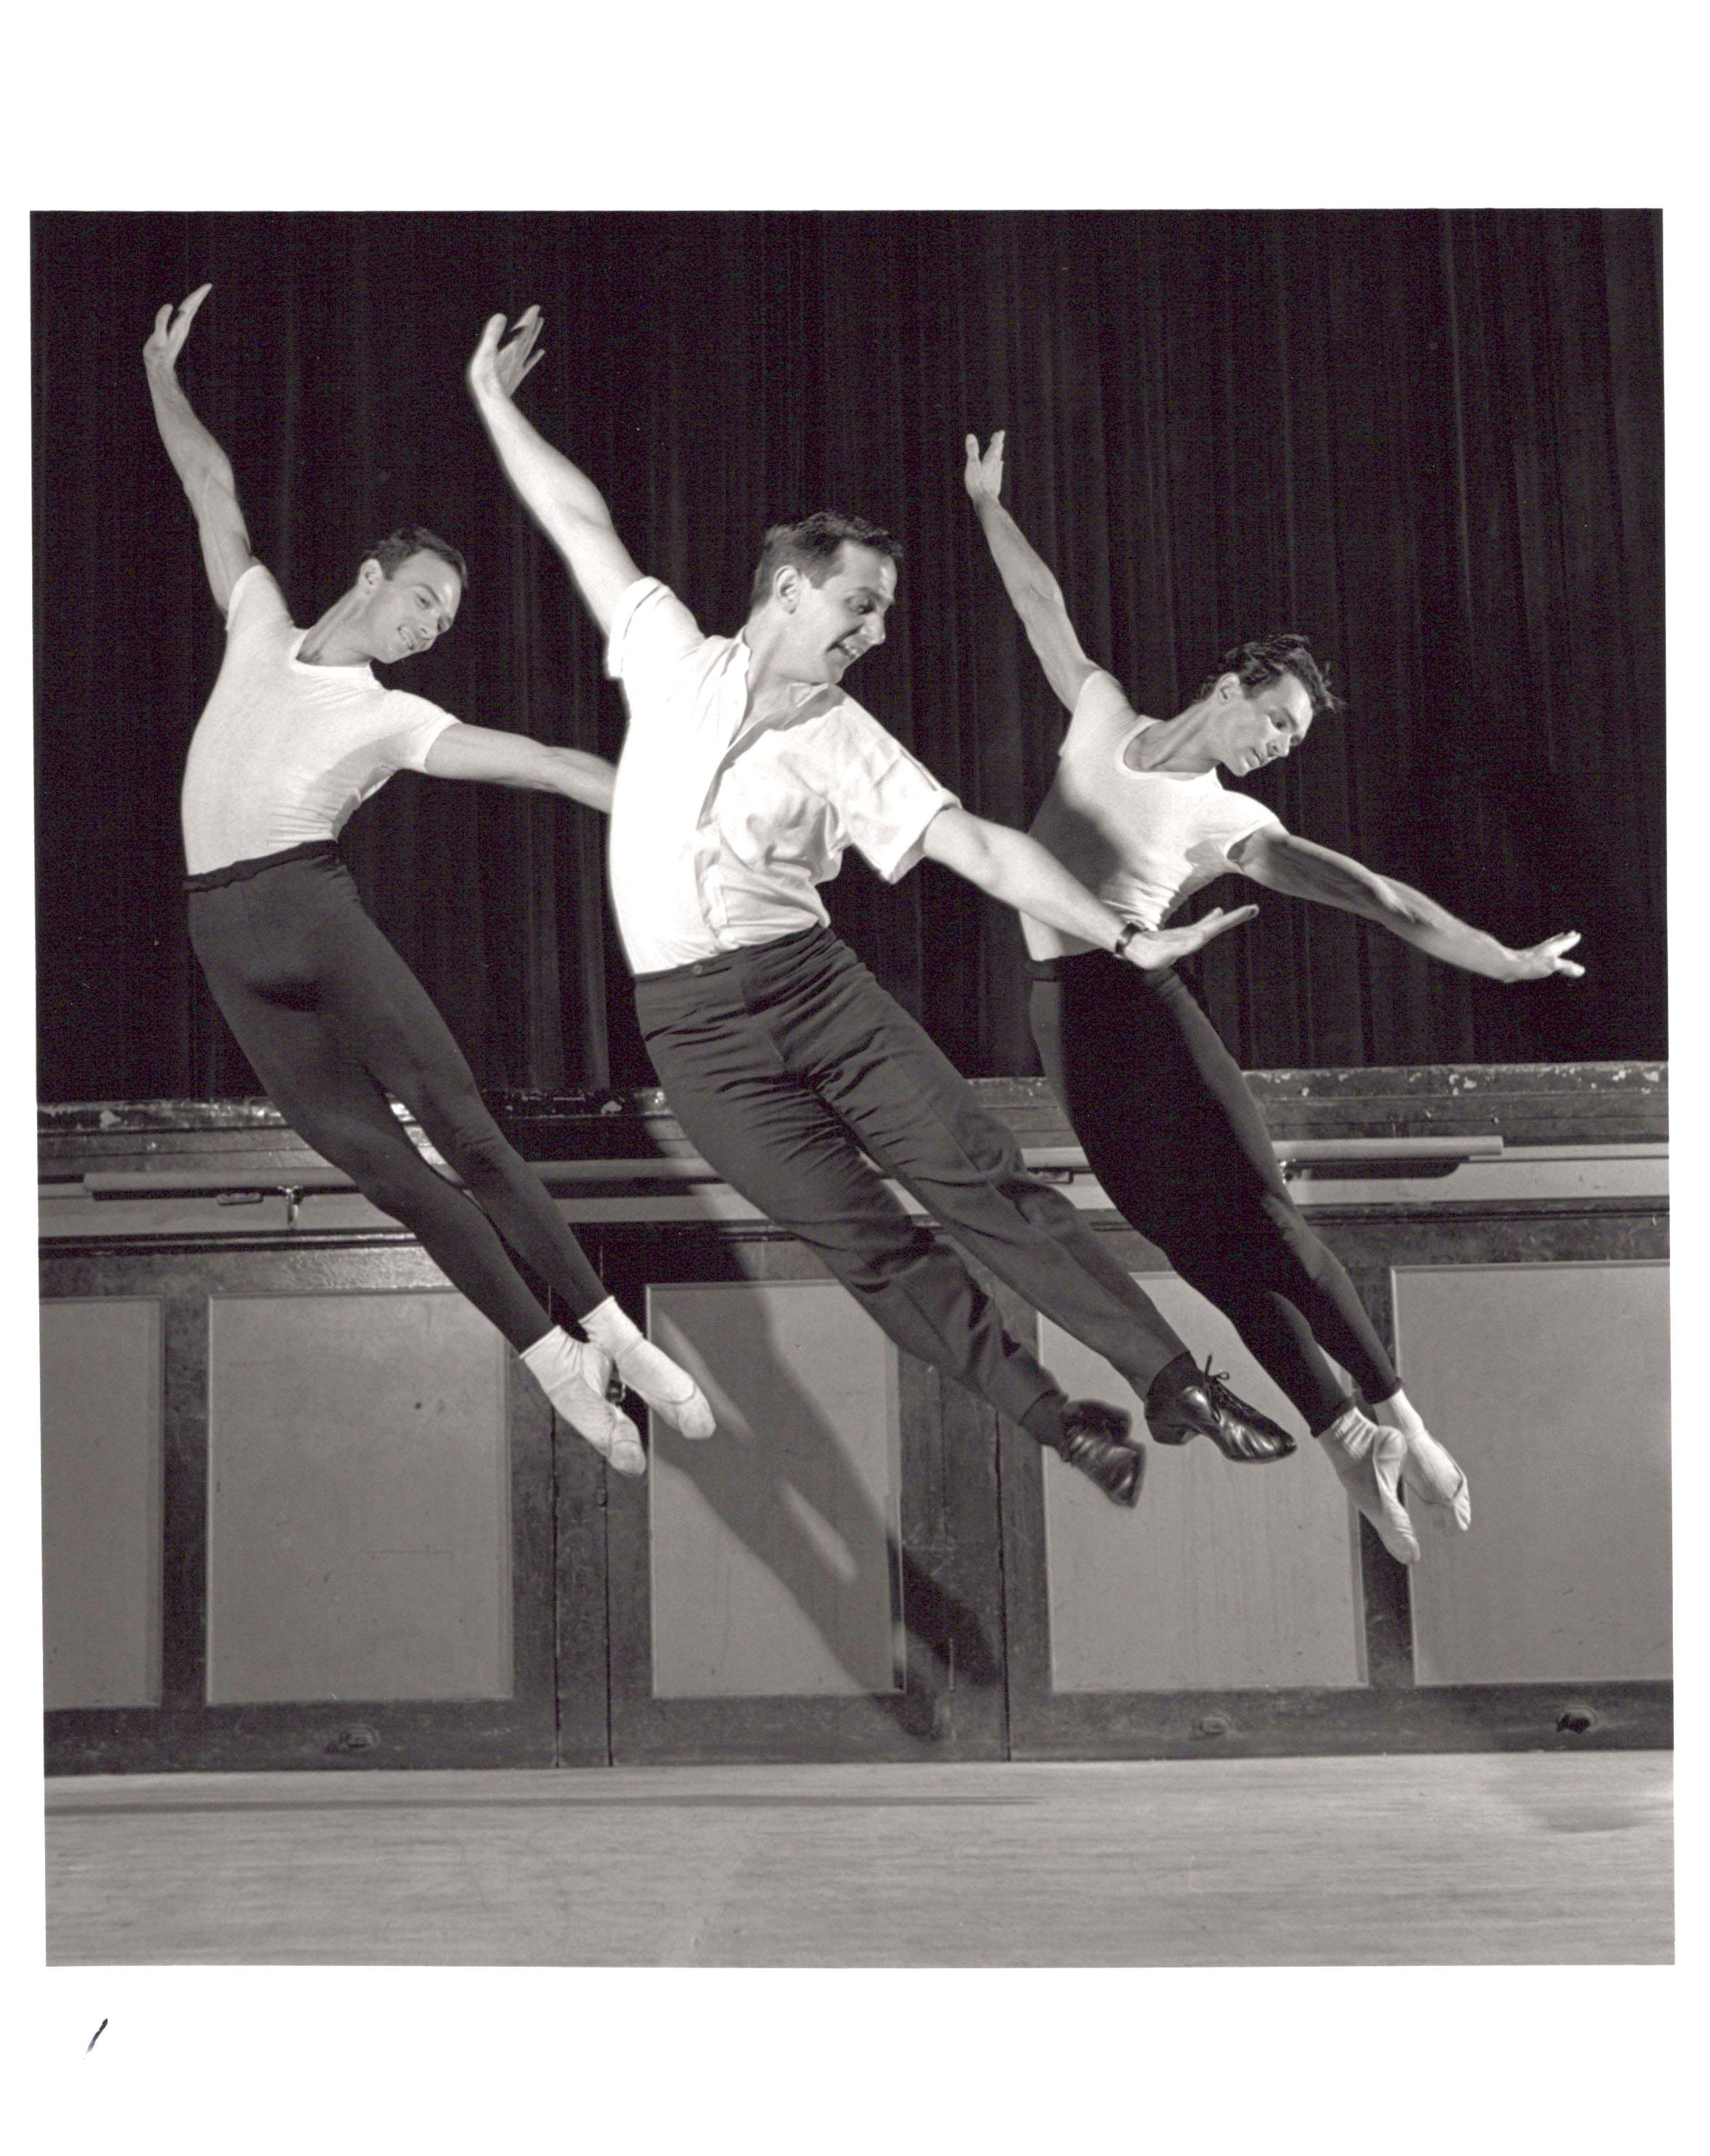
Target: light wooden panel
(101,1503)
(1549,1384)
(773,1544)
(359,1534)
(1224,1576)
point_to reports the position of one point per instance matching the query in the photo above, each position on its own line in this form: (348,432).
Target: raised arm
(1278,859)
(502,759)
(1034,592)
(198,460)
(1010,866)
(569,506)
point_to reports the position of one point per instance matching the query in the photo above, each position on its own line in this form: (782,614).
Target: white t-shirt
(723,825)
(285,750)
(1142,840)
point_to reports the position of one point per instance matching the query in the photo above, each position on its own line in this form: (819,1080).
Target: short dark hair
(396,547)
(814,543)
(1266,659)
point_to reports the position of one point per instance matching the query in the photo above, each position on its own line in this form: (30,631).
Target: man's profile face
(1257,728)
(835,623)
(410,610)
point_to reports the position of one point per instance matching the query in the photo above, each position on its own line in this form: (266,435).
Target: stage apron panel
(1224,1576)
(359,1513)
(773,1545)
(1550,1384)
(102,1491)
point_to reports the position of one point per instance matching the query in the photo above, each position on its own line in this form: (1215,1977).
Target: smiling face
(829,625)
(1255,729)
(409,611)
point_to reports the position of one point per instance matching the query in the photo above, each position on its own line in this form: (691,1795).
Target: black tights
(333,1020)
(1171,1132)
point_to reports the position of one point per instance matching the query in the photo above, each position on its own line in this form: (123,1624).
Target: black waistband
(1053,969)
(724,961)
(312,849)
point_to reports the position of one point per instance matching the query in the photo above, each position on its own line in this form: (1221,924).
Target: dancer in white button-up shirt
(746,775)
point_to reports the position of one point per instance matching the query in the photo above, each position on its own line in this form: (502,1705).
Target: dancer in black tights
(1138,814)
(297,733)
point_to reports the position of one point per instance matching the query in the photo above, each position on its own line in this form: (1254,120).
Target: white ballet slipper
(1368,1458)
(574,1375)
(666,1387)
(1432,1472)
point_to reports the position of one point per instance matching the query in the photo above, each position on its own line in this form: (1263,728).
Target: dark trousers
(789,1066)
(1172,1131)
(333,1020)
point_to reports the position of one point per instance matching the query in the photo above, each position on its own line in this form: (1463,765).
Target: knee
(471,1142)
(1285,1233)
(399,1186)
(874,1262)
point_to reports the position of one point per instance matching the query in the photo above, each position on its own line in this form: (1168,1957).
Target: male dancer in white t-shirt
(296,734)
(1138,811)
(745,774)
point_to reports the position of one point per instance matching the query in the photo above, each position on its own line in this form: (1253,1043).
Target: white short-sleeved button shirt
(723,827)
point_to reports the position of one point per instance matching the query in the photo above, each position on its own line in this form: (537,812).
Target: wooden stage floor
(1463,1858)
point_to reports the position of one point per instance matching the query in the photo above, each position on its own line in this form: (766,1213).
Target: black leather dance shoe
(1096,1440)
(1185,1402)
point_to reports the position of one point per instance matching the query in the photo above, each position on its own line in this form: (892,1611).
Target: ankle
(610,1327)
(1180,1371)
(1045,1421)
(546,1349)
(1347,1405)
(1398,1411)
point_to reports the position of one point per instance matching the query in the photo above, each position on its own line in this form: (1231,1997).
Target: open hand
(984,477)
(166,341)
(1153,947)
(496,369)
(1546,958)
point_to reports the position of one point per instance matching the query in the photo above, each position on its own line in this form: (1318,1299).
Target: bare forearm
(1030,583)
(1282,862)
(564,499)
(1431,928)
(198,460)
(1409,914)
(1018,871)
(571,771)
(486,755)
(588,779)
(1038,598)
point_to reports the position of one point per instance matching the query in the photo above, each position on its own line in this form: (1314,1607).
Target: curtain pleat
(1431,441)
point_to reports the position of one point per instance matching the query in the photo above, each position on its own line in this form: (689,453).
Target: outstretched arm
(569,505)
(1280,861)
(197,458)
(502,759)
(1011,867)
(1034,592)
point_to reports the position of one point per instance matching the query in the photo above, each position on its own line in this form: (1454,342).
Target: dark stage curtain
(1431,441)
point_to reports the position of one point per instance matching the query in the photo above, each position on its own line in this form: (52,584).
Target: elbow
(1394,907)
(210,482)
(991,865)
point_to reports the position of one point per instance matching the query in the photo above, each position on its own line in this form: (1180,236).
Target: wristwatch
(1131,929)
